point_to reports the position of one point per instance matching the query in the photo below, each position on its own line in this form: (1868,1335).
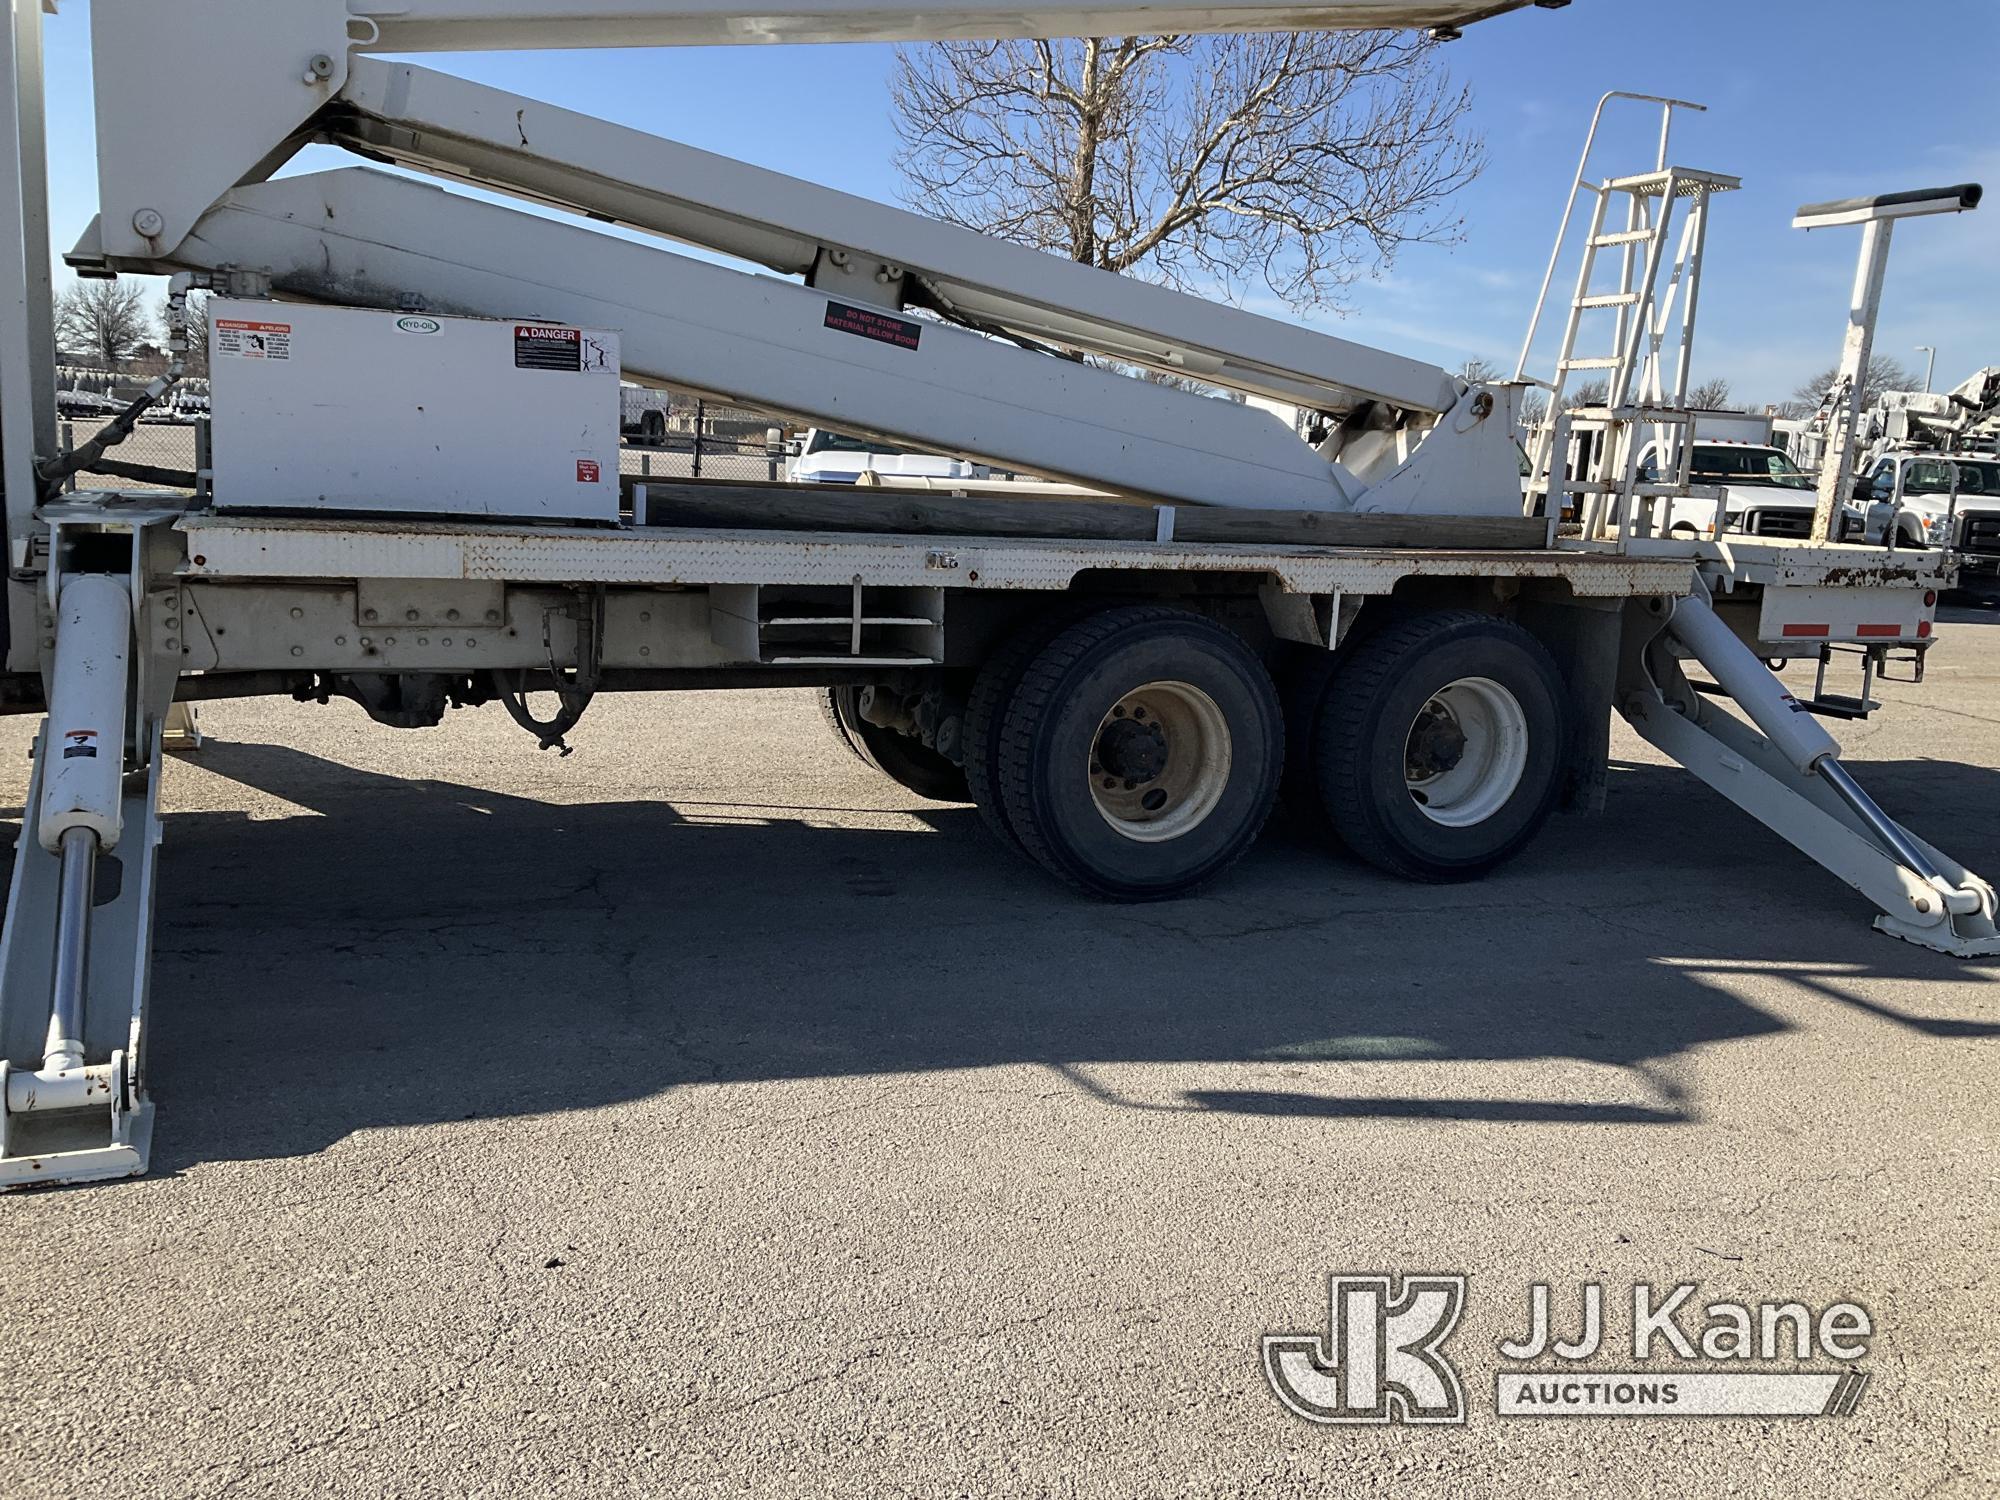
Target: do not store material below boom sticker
(867,323)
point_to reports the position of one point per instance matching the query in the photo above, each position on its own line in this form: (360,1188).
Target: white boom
(256,73)
(366,238)
(185,208)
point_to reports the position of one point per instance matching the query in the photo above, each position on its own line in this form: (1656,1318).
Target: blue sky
(1808,100)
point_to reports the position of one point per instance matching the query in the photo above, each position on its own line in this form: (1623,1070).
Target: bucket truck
(1929,475)
(413,502)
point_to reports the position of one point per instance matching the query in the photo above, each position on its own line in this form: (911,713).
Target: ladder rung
(1622,237)
(1610,299)
(1589,364)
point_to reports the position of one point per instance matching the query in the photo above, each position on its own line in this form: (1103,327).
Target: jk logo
(1379,1360)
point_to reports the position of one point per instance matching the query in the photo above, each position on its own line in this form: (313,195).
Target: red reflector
(1878,630)
(1806,630)
(1923,628)
(1930,598)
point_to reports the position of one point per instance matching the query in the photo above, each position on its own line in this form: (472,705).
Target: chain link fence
(708,440)
(166,448)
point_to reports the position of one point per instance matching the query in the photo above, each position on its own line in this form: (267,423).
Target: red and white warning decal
(547,346)
(79,744)
(587,471)
(238,338)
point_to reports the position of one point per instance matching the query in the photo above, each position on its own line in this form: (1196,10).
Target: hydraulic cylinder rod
(1894,837)
(79,870)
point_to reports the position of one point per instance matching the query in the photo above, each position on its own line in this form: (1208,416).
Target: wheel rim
(1159,762)
(1466,752)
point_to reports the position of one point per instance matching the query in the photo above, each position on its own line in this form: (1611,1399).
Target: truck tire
(653,427)
(1441,743)
(909,763)
(1140,753)
(985,715)
(1302,674)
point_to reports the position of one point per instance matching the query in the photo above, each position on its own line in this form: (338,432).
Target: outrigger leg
(1789,777)
(76,951)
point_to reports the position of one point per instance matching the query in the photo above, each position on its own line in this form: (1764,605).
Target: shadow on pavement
(424,951)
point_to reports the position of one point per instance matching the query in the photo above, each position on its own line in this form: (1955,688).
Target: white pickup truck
(1763,492)
(1911,496)
(835,458)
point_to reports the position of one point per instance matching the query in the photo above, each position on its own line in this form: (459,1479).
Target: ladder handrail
(1668,106)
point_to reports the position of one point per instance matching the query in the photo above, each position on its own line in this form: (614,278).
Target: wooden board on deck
(848,508)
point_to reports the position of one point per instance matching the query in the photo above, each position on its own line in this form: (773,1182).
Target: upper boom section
(195,96)
(533,25)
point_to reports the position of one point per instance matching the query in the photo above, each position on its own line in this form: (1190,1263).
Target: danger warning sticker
(587,471)
(236,338)
(79,744)
(867,323)
(543,346)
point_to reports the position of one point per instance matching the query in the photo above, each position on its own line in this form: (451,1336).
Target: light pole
(1930,358)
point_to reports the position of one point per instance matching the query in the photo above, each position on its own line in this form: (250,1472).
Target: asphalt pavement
(703,1114)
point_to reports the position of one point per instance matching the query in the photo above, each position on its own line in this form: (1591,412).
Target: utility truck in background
(1119,673)
(1933,499)
(1756,489)
(1738,480)
(1929,475)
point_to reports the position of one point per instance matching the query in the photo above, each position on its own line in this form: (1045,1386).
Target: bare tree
(101,320)
(1479,372)
(1590,393)
(1885,373)
(1301,161)
(195,317)
(1710,395)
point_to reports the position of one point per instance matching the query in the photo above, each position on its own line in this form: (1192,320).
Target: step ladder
(1655,224)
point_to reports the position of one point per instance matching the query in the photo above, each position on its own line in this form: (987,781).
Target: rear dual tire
(1136,755)
(1438,744)
(908,762)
